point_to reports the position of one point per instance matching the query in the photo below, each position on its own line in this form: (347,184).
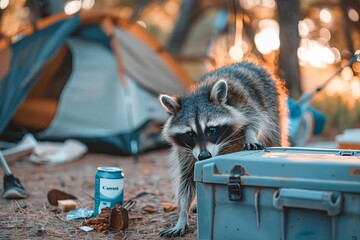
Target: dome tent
(92,77)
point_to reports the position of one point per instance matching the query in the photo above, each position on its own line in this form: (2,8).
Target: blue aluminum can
(109,188)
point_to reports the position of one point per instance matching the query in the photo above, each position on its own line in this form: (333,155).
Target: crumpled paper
(79,213)
(30,149)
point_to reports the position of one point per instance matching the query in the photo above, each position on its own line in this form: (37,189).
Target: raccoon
(234,108)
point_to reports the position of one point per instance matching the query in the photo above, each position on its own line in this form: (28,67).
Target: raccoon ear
(219,91)
(170,104)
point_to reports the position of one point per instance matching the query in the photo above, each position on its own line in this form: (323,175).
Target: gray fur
(244,94)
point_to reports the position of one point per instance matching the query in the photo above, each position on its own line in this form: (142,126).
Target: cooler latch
(346,153)
(234,186)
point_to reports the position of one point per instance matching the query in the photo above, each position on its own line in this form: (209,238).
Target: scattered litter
(55,210)
(40,231)
(169,207)
(23,205)
(55,153)
(115,218)
(45,152)
(54,195)
(79,213)
(149,209)
(129,204)
(86,228)
(21,225)
(119,218)
(67,205)
(141,194)
(101,222)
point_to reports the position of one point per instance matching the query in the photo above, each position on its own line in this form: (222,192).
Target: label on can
(111,188)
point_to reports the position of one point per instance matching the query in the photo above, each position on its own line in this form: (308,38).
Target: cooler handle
(331,202)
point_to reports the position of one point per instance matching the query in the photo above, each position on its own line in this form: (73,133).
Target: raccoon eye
(190,135)
(211,131)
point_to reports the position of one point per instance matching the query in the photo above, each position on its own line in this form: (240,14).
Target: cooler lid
(307,168)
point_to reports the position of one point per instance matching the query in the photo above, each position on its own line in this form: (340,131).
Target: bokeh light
(315,54)
(303,29)
(325,15)
(236,52)
(355,87)
(72,7)
(267,41)
(4,4)
(88,4)
(141,23)
(268,3)
(325,34)
(353,15)
(347,74)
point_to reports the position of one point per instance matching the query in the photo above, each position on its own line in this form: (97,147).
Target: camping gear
(350,139)
(279,193)
(12,185)
(306,121)
(92,77)
(22,149)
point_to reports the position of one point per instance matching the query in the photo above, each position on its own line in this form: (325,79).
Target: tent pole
(108,27)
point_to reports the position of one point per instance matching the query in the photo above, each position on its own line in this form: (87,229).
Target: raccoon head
(201,122)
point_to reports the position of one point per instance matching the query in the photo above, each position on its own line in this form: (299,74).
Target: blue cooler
(279,194)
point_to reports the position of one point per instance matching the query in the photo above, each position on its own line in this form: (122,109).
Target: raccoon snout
(204,155)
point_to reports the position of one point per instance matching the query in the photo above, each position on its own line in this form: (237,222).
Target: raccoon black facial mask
(213,135)
(237,107)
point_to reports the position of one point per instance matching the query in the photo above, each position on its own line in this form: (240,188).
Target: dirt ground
(34,217)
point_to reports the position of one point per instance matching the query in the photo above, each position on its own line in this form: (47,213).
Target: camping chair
(12,185)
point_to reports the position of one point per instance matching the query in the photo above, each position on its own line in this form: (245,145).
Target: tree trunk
(347,25)
(289,17)
(1,32)
(187,11)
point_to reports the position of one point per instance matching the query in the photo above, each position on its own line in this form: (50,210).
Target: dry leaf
(169,207)
(149,209)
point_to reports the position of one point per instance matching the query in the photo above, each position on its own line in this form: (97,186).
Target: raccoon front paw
(254,146)
(173,232)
